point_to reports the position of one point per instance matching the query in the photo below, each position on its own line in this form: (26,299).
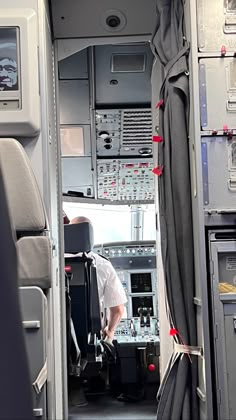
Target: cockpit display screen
(142,302)
(9,66)
(141,282)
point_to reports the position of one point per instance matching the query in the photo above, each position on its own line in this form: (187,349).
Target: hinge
(54,248)
(212,271)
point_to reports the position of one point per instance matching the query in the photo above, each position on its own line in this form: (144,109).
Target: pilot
(111,293)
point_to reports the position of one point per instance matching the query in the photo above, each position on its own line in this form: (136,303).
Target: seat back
(78,238)
(34,261)
(85,305)
(15,390)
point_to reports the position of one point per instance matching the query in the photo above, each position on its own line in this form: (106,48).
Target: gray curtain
(177,398)
(15,388)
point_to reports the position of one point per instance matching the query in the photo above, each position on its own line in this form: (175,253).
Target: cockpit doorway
(107,161)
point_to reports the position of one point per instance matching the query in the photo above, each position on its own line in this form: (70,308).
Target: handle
(231,105)
(232,184)
(230,25)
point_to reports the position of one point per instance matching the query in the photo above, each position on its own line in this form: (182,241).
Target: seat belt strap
(41,379)
(73,335)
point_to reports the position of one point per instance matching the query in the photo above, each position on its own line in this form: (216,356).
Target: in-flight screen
(9,66)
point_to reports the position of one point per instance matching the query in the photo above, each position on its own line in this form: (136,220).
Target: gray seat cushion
(34,261)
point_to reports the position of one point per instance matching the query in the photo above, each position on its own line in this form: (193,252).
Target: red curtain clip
(158,170)
(173,332)
(214,133)
(157,139)
(159,104)
(223,51)
(225,130)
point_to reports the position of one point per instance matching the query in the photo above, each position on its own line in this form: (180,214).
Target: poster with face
(8,59)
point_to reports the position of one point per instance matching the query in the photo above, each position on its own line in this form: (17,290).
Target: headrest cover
(24,199)
(78,238)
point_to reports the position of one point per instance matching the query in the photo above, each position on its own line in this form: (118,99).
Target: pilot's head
(80,219)
(8,73)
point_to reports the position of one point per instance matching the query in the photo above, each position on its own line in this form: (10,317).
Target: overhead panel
(74,102)
(218,93)
(75,140)
(125,179)
(216,25)
(89,18)
(219,173)
(74,66)
(124,132)
(77,175)
(122,74)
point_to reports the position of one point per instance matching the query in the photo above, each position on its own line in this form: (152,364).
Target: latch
(231,104)
(232,184)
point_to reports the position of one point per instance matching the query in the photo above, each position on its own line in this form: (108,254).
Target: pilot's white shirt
(110,289)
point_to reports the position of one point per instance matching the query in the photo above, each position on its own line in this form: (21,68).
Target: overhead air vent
(128,63)
(136,127)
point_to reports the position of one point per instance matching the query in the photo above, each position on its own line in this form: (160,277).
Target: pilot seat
(83,307)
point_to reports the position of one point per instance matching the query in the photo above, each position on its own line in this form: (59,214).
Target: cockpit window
(113,223)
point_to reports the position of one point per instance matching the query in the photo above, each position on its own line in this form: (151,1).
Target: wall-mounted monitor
(9,59)
(19,73)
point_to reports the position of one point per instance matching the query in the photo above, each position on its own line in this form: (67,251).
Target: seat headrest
(78,238)
(24,199)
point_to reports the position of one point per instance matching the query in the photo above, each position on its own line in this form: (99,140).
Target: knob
(103,134)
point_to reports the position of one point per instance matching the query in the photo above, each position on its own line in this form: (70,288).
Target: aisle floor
(108,408)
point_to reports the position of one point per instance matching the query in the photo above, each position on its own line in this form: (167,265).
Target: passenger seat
(34,262)
(15,391)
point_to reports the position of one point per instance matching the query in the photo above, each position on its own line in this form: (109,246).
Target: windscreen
(110,223)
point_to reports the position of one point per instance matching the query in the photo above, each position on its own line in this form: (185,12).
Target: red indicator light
(68,269)
(151,367)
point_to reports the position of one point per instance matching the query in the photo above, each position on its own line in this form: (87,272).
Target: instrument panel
(135,264)
(126,179)
(128,249)
(124,132)
(130,331)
